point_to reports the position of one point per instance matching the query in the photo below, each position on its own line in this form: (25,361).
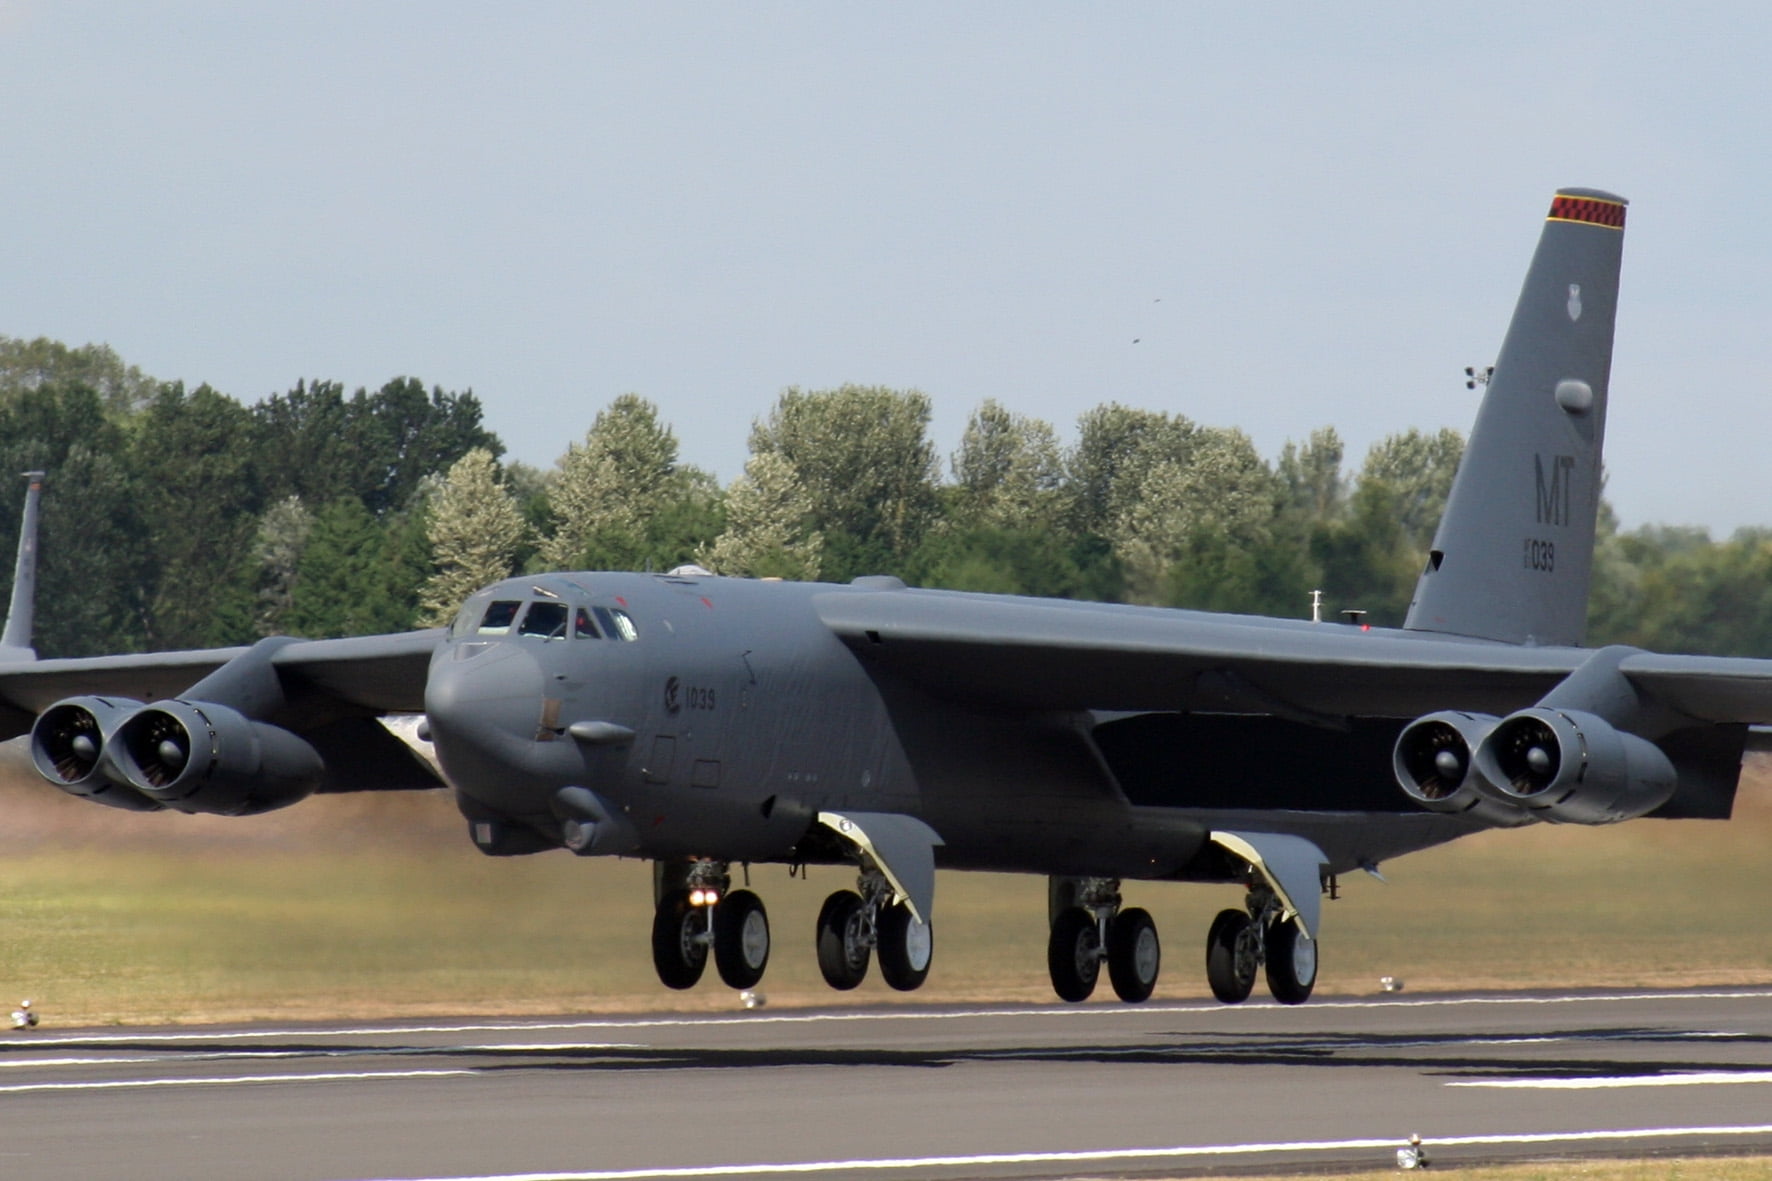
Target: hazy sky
(1305,214)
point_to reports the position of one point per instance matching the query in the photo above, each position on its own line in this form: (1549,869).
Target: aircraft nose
(496,693)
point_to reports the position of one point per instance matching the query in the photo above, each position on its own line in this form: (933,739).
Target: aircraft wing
(1714,688)
(323,679)
(1055,654)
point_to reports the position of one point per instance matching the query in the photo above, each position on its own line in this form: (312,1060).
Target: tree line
(181,518)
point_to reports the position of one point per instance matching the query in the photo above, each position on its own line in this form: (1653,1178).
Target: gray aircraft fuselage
(748,716)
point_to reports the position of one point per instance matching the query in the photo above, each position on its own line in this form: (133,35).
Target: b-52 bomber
(706,723)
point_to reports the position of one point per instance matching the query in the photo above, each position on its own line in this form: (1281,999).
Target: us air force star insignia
(1575,301)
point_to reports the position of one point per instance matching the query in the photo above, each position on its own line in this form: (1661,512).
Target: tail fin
(1514,552)
(15,641)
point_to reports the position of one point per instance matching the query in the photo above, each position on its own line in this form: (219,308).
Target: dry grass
(366,906)
(1659,1169)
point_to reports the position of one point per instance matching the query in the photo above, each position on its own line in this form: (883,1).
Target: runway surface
(904,1092)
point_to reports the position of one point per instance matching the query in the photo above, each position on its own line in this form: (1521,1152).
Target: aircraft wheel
(843,952)
(906,947)
(1231,959)
(741,939)
(678,952)
(1291,963)
(1073,954)
(1134,955)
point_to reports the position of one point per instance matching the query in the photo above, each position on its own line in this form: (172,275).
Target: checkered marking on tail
(1591,210)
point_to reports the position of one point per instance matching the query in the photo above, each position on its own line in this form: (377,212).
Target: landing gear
(741,939)
(1073,954)
(696,912)
(1240,944)
(1233,954)
(1133,955)
(1291,963)
(906,947)
(853,924)
(844,946)
(1088,927)
(679,941)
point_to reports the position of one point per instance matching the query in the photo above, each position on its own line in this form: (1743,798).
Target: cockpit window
(546,619)
(616,623)
(499,617)
(466,619)
(582,624)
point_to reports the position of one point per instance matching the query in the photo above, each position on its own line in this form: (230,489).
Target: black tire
(906,948)
(741,939)
(1231,957)
(842,954)
(1134,955)
(1073,954)
(1291,963)
(677,954)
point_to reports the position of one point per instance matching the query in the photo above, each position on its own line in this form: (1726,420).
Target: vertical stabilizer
(15,641)
(1514,552)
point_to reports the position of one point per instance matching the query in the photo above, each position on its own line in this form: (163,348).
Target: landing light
(701,897)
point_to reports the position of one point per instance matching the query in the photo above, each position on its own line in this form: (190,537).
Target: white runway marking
(1697,1078)
(1100,1156)
(517,1025)
(213,1081)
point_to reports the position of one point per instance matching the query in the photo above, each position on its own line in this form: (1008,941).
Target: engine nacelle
(197,756)
(68,747)
(1575,767)
(1434,761)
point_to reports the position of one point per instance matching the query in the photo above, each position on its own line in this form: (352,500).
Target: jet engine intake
(68,746)
(196,756)
(1575,767)
(1434,761)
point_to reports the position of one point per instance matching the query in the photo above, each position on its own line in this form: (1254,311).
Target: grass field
(373,906)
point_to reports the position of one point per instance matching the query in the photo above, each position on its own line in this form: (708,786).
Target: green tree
(475,528)
(32,364)
(620,500)
(197,495)
(277,550)
(1673,589)
(93,558)
(768,525)
(1192,535)
(316,443)
(357,575)
(1116,448)
(1312,486)
(1008,471)
(864,456)
(1372,558)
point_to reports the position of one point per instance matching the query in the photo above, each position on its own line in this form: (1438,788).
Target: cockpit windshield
(499,617)
(547,618)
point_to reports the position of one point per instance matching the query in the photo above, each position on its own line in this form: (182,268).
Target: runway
(901,1092)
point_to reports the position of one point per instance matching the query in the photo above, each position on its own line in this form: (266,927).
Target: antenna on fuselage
(15,641)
